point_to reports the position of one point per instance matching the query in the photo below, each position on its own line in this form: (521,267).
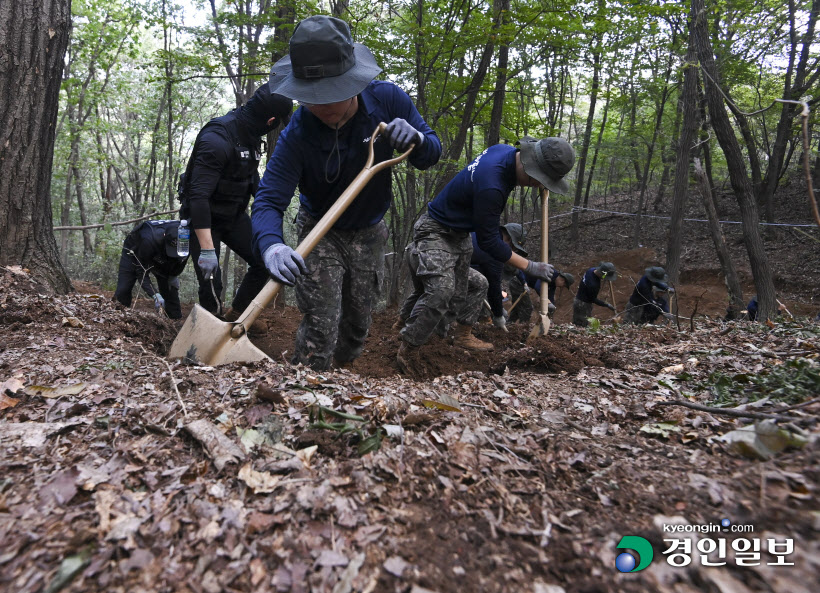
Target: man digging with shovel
(474,201)
(321,152)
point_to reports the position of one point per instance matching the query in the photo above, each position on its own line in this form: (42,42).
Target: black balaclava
(254,114)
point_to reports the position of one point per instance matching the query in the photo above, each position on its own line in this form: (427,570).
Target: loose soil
(515,470)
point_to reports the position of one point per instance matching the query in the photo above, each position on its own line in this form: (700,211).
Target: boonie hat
(548,160)
(323,64)
(656,274)
(516,233)
(607,270)
(568,278)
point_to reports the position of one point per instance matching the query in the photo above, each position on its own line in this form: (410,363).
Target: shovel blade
(205,339)
(541,328)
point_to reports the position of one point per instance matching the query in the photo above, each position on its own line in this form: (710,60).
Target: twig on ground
(174,385)
(729,411)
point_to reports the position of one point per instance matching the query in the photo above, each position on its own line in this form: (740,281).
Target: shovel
(612,297)
(207,340)
(543,326)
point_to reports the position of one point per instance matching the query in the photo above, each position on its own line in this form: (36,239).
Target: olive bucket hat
(323,64)
(548,160)
(657,274)
(607,270)
(516,233)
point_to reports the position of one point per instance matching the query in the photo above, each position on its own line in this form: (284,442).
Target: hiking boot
(465,339)
(399,325)
(408,358)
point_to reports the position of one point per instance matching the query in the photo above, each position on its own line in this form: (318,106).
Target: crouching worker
(151,248)
(474,201)
(588,290)
(648,300)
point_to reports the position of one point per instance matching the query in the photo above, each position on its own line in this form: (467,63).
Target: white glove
(500,322)
(159,302)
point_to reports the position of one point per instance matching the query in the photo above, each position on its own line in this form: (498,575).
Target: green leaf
(370,444)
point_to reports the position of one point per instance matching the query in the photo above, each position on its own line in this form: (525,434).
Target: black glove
(401,134)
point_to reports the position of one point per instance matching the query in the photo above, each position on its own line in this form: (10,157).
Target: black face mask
(260,108)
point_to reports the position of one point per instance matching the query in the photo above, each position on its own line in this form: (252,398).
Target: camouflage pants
(523,310)
(470,307)
(336,298)
(580,312)
(440,271)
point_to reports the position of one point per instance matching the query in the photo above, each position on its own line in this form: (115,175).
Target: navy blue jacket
(474,200)
(589,288)
(305,157)
(642,294)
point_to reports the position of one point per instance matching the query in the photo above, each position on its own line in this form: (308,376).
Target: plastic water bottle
(183,239)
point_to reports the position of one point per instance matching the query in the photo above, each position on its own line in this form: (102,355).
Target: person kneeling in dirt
(152,247)
(474,201)
(588,290)
(559,280)
(648,300)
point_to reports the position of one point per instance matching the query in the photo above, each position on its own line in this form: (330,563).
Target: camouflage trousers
(439,260)
(580,312)
(523,310)
(336,298)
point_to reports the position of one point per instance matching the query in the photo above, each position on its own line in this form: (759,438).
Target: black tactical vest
(240,178)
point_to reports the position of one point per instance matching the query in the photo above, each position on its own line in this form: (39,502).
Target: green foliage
(792,382)
(370,437)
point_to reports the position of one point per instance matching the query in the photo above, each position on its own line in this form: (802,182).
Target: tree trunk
(494,131)
(597,148)
(689,104)
(667,155)
(33,40)
(794,86)
(660,106)
(582,158)
(736,301)
(744,194)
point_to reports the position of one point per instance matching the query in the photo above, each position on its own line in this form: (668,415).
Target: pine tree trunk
(33,39)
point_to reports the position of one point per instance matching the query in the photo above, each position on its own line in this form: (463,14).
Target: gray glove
(610,307)
(174,282)
(208,263)
(283,263)
(540,270)
(159,302)
(401,134)
(500,322)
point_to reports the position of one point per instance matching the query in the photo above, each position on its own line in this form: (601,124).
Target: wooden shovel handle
(327,221)
(545,246)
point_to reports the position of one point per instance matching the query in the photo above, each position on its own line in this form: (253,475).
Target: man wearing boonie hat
(322,150)
(588,290)
(474,201)
(647,301)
